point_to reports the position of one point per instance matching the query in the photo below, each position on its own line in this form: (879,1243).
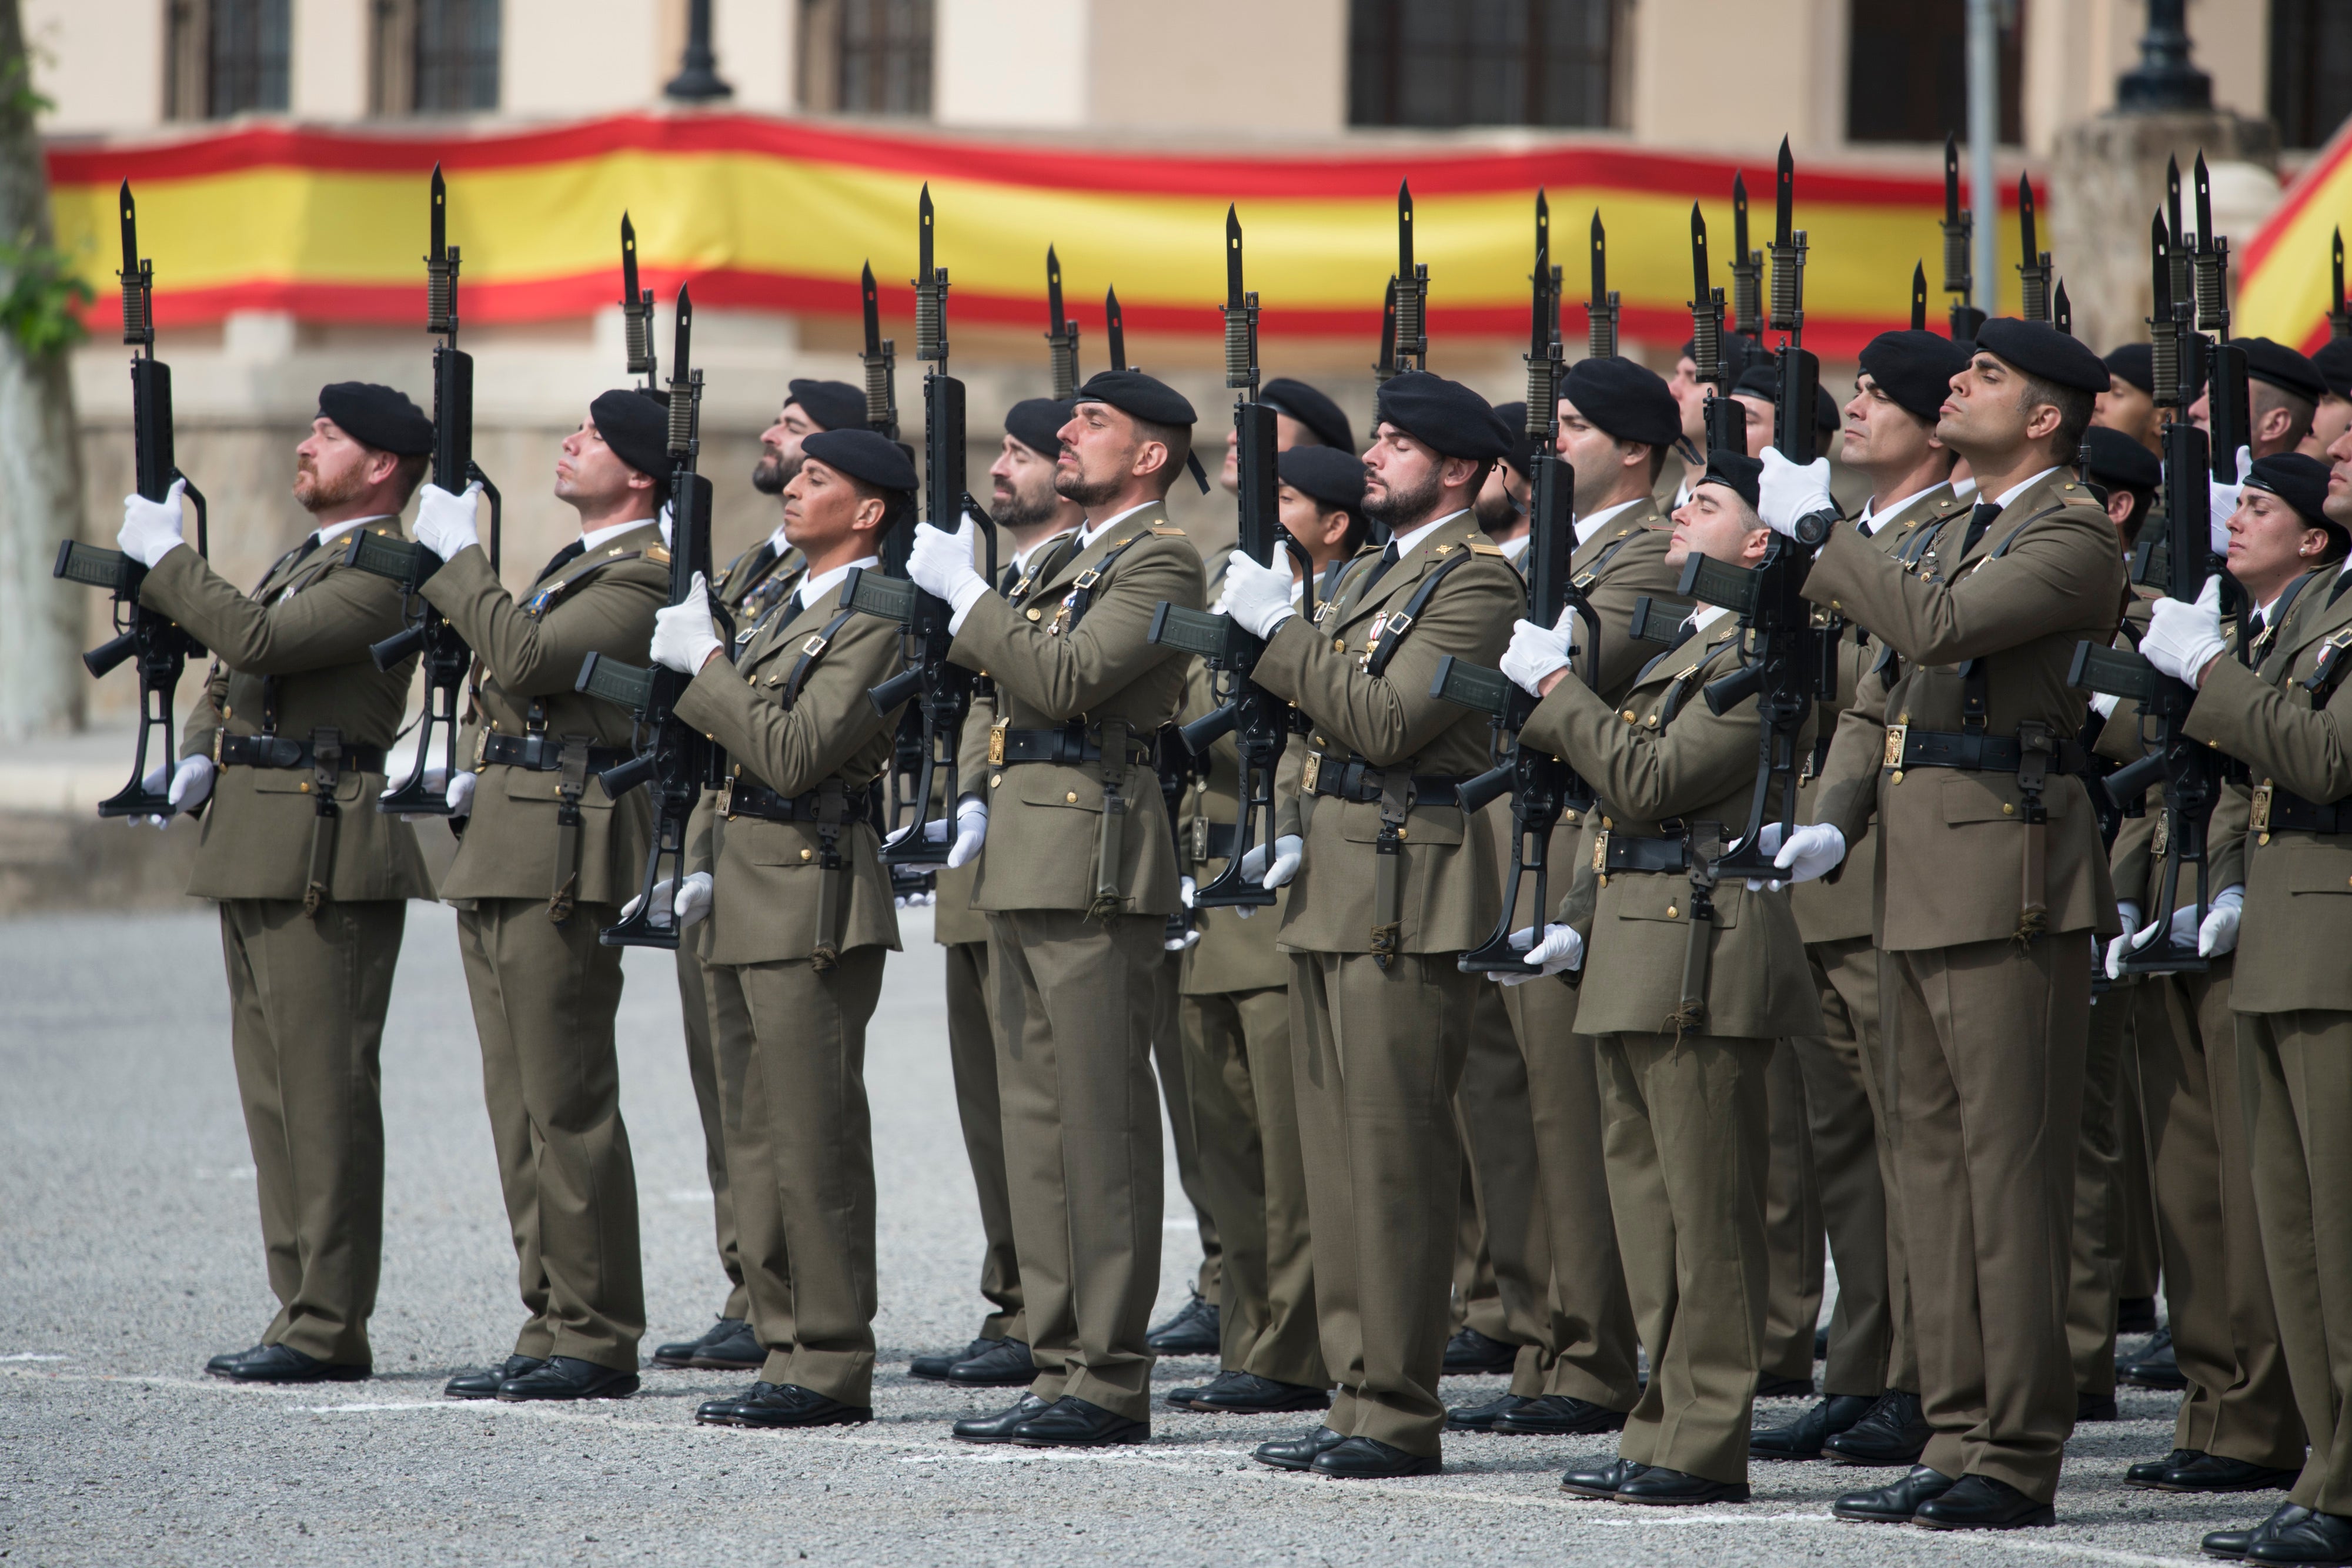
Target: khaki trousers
(307,1003)
(791,1077)
(1847,975)
(2137,1271)
(1074,1004)
(1377,1057)
(1476,1302)
(1167,1062)
(1594,1317)
(2096,1252)
(1687,1145)
(1245,1112)
(2239,1402)
(694,1009)
(1988,1044)
(2295,1078)
(1793,1237)
(971,1060)
(544,996)
(1493,1119)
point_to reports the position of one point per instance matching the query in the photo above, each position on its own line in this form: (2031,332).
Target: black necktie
(1010,578)
(1980,519)
(1380,569)
(793,607)
(563,558)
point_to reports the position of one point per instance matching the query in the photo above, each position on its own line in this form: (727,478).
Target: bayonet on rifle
(1600,311)
(1919,296)
(2033,268)
(1960,231)
(1726,421)
(1114,330)
(2339,323)
(636,312)
(2062,310)
(880,359)
(1411,291)
(2229,413)
(1062,336)
(1747,266)
(1800,372)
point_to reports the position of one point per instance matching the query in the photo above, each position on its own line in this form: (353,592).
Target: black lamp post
(697,78)
(2164,80)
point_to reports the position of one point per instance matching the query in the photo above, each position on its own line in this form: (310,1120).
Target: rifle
(1960,231)
(1542,785)
(1258,720)
(1412,287)
(2339,322)
(636,312)
(2190,771)
(446,656)
(1385,367)
(1061,339)
(2033,270)
(1600,311)
(671,756)
(160,647)
(1746,268)
(941,690)
(2227,405)
(1726,422)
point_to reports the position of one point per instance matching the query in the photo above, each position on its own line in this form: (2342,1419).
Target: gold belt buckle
(1895,739)
(1200,838)
(727,800)
(2260,820)
(1311,773)
(2163,839)
(996,742)
(1601,856)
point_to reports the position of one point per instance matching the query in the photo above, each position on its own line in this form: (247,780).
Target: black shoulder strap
(1678,690)
(1976,680)
(1082,592)
(1394,625)
(536,605)
(1592,574)
(811,652)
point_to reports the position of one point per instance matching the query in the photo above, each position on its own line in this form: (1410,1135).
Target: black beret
(1037,423)
(834,405)
(1514,417)
(1143,397)
(635,428)
(1332,477)
(2281,366)
(1320,414)
(2333,360)
(2118,462)
(1736,469)
(864,454)
(1915,369)
(2134,362)
(1449,417)
(1623,399)
(1762,379)
(378,417)
(2043,351)
(2300,482)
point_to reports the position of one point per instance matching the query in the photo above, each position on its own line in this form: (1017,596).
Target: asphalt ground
(130,1252)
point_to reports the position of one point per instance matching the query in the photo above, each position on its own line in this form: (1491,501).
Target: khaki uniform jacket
(2297,924)
(756,581)
(1952,848)
(765,875)
(1659,756)
(1839,911)
(603,603)
(1045,822)
(1450,895)
(306,629)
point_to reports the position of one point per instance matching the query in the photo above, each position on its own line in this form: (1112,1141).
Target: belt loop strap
(571,786)
(326,775)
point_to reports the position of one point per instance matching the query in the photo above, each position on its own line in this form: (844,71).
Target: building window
(1907,70)
(1480,62)
(435,57)
(866,56)
(2311,69)
(226,56)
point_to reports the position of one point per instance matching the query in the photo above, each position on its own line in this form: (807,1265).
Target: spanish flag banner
(2286,278)
(772,214)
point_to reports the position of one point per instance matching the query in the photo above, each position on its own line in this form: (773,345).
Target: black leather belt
(544,753)
(1634,852)
(2278,810)
(741,797)
(1362,783)
(1007,748)
(284,751)
(1907,747)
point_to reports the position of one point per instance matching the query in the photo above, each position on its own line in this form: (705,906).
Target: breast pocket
(1058,788)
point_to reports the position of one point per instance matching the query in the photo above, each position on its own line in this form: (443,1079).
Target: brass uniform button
(808,854)
(2007,810)
(1627,716)
(1672,912)
(1070,797)
(1033,614)
(995,780)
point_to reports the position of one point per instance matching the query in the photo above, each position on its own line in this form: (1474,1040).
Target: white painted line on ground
(34,1356)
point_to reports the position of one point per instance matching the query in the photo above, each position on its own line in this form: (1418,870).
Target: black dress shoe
(2147,1472)
(1802,1439)
(681,1352)
(2315,1539)
(2135,1314)
(2095,1407)
(1893,1504)
(1471,1351)
(1893,1433)
(1369,1459)
(1661,1487)
(484,1385)
(1482,1417)
(1071,1422)
(1297,1453)
(1981,1502)
(720,1412)
(790,1404)
(1600,1482)
(568,1377)
(2232,1545)
(284,1364)
(1004,1363)
(934,1368)
(740,1351)
(998,1428)
(1246,1393)
(1191,1330)
(2213,1472)
(2157,1366)
(221,1364)
(1783,1387)
(1558,1416)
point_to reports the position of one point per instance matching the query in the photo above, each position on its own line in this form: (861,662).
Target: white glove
(1785,492)
(445,523)
(191,786)
(1537,650)
(1191,938)
(1813,850)
(151,529)
(1185,887)
(683,638)
(1288,851)
(689,904)
(2219,933)
(2224,501)
(2182,639)
(435,780)
(972,832)
(2128,913)
(1257,597)
(1561,948)
(2104,703)
(461,794)
(941,565)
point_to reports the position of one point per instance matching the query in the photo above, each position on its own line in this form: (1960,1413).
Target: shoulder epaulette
(1488,546)
(658,554)
(1169,530)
